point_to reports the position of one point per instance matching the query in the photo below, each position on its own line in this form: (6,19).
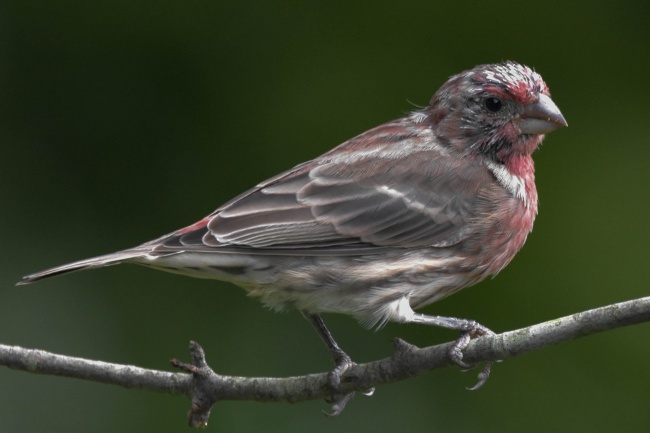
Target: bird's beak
(541,117)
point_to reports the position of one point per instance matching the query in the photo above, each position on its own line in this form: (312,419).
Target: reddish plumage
(393,219)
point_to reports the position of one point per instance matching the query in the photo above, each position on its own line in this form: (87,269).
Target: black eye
(493,104)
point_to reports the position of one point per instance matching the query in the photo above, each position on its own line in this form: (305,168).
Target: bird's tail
(95,262)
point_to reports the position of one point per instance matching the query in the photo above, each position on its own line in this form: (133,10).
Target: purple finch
(389,221)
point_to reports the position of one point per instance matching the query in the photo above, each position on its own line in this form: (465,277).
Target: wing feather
(379,196)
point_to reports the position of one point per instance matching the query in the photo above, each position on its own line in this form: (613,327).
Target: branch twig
(204,387)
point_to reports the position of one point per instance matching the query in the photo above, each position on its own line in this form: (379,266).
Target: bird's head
(496,110)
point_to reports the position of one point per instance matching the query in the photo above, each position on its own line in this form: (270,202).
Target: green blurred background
(123,120)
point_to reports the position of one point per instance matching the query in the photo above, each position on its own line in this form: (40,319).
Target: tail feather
(95,262)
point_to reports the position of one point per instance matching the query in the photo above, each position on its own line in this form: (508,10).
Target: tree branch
(204,387)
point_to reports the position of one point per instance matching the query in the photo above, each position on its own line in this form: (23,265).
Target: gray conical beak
(541,117)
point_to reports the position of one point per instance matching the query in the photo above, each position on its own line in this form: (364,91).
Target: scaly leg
(341,359)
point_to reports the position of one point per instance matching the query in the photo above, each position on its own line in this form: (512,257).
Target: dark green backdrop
(123,120)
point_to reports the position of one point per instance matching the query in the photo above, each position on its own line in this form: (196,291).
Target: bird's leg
(469,329)
(341,359)
(342,363)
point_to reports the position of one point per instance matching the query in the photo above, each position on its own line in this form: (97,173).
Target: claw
(456,353)
(339,406)
(469,330)
(482,376)
(343,364)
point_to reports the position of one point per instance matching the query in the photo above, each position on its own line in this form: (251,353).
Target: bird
(392,220)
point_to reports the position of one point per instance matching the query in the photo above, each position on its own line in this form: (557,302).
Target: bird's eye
(493,104)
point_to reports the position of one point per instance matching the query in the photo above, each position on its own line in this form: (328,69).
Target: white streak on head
(512,74)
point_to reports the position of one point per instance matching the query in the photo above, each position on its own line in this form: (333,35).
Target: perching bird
(392,220)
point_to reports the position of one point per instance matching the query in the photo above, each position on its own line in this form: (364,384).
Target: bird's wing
(398,193)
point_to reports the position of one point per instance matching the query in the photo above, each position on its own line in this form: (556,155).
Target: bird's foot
(343,363)
(339,401)
(470,331)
